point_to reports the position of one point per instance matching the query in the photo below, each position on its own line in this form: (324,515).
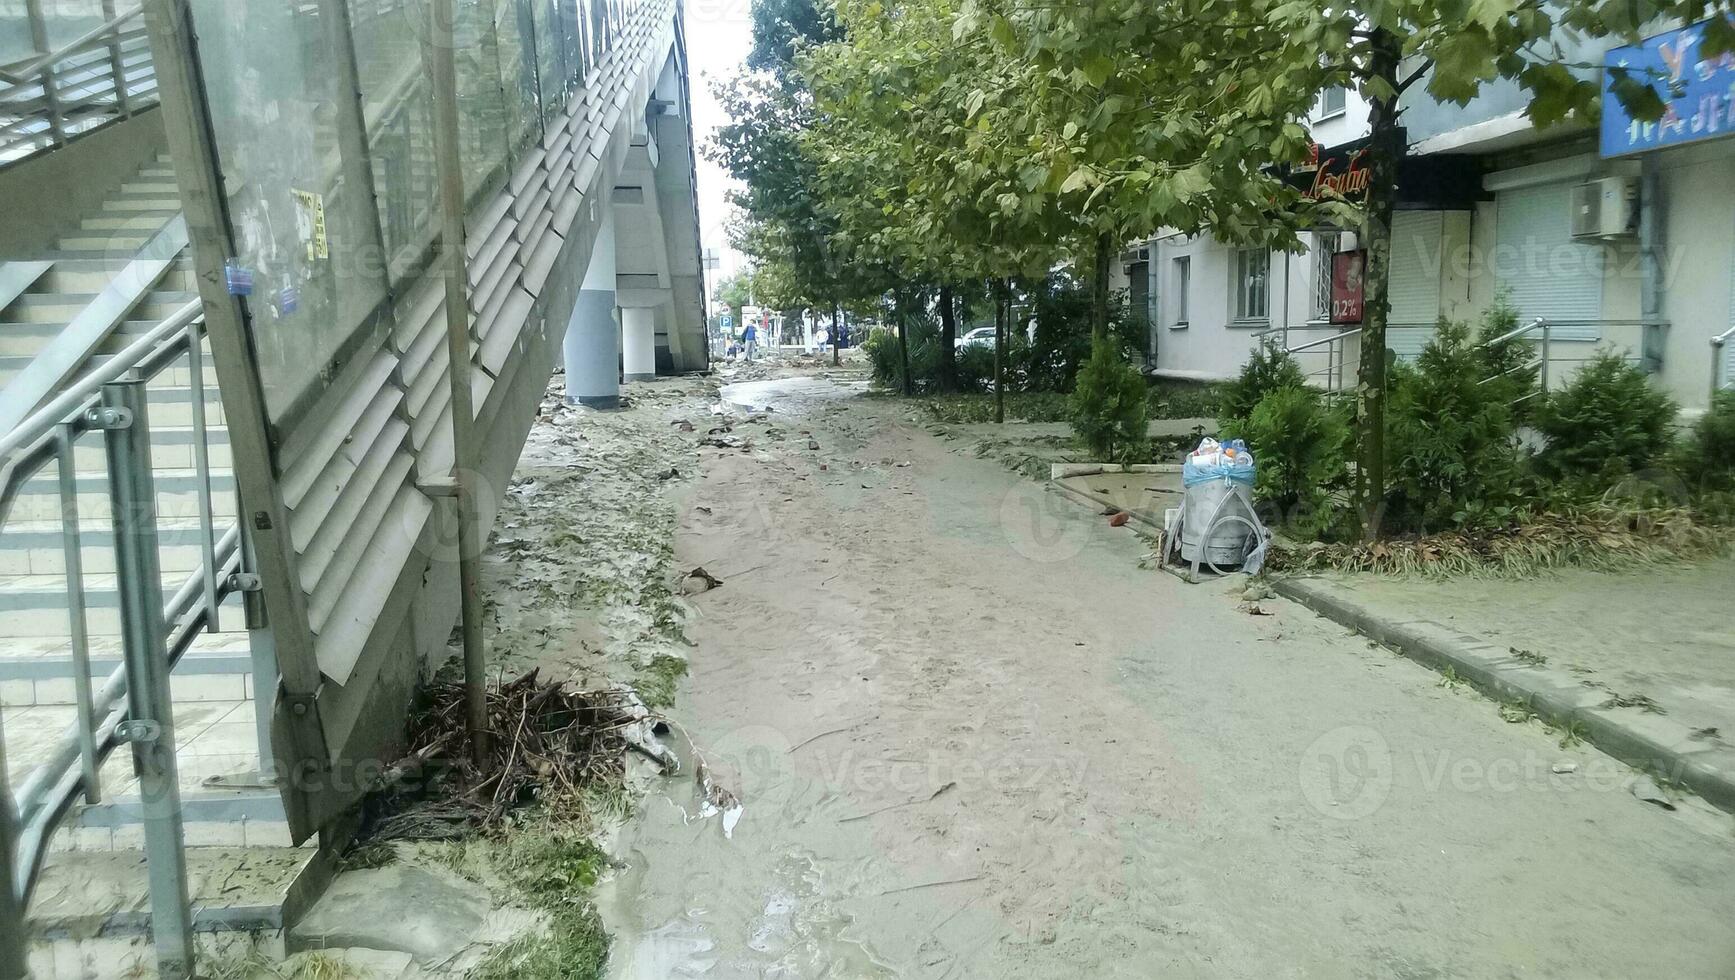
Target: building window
(1332,102)
(1252,284)
(1325,245)
(1183,281)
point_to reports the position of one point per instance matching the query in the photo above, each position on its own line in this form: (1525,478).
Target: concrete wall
(48,194)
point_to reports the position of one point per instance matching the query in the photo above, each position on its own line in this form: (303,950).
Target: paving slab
(1640,663)
(401,908)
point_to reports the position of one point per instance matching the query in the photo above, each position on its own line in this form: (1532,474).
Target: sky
(718,36)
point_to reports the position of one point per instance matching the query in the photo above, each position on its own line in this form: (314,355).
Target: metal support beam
(187,123)
(438,51)
(39,38)
(150,725)
(77,628)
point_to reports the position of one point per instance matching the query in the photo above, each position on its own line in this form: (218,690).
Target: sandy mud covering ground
(1661,639)
(972,738)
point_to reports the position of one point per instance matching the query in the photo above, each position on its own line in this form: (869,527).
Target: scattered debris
(1253,609)
(1530,657)
(1562,768)
(668,474)
(1641,701)
(698,580)
(1119,519)
(1649,790)
(1704,734)
(1516,712)
(548,742)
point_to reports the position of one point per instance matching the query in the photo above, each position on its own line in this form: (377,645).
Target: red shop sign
(1347,274)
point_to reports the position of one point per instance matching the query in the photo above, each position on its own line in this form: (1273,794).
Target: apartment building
(1620,238)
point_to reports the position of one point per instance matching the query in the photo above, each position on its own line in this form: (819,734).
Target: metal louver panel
(1543,270)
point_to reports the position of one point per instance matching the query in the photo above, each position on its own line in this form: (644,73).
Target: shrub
(1607,423)
(1299,445)
(1269,369)
(1451,447)
(1108,405)
(1710,451)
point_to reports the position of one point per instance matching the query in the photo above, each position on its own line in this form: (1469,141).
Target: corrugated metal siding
(1415,280)
(1547,273)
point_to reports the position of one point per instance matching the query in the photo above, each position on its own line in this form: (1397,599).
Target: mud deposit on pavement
(971,737)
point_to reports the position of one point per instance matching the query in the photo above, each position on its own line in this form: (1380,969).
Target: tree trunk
(1386,148)
(909,383)
(836,333)
(948,380)
(1002,325)
(1099,287)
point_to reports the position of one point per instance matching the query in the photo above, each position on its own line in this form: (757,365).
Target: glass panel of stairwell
(397,108)
(308,265)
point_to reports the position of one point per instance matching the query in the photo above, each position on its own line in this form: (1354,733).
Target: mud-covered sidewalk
(971,737)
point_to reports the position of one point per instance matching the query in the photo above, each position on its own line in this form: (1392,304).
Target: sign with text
(1347,274)
(1697,92)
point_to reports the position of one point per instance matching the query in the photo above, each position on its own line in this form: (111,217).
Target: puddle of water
(706,897)
(786,395)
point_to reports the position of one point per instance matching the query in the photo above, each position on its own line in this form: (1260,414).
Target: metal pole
(1717,357)
(1542,373)
(75,612)
(202,470)
(117,65)
(443,70)
(150,723)
(14,929)
(39,37)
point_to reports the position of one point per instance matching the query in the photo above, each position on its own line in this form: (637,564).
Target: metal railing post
(14,929)
(39,37)
(117,65)
(78,629)
(1542,372)
(150,718)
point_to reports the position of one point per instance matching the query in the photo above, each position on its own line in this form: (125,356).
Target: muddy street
(972,736)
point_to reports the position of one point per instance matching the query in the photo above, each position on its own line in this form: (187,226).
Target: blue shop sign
(1697,91)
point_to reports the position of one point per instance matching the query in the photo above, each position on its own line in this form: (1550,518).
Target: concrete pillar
(592,349)
(639,342)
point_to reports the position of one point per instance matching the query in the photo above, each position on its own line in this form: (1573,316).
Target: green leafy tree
(1269,369)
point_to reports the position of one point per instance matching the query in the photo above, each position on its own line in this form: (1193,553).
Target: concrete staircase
(218,734)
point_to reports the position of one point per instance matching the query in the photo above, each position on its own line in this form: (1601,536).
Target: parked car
(979,337)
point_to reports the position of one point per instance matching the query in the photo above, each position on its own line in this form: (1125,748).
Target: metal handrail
(1334,338)
(109,399)
(1719,360)
(21,74)
(80,89)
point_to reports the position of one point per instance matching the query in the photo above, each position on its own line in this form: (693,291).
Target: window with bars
(1325,245)
(1252,284)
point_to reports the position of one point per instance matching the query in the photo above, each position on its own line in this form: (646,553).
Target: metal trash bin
(1205,537)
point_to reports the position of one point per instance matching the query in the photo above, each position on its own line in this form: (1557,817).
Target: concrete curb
(1648,742)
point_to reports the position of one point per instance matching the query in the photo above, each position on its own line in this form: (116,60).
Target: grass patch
(552,866)
(1185,400)
(656,681)
(1541,543)
(1021,406)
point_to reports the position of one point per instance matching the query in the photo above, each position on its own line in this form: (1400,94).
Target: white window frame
(1252,286)
(1181,272)
(1325,245)
(1325,110)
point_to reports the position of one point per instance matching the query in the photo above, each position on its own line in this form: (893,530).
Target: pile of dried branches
(547,742)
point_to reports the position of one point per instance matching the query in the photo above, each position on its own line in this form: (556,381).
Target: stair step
(92,275)
(152,188)
(139,220)
(37,548)
(142,202)
(59,309)
(35,605)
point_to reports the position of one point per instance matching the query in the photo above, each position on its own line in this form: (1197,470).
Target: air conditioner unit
(1606,208)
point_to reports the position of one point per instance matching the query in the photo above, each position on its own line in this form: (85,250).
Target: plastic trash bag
(1213,460)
